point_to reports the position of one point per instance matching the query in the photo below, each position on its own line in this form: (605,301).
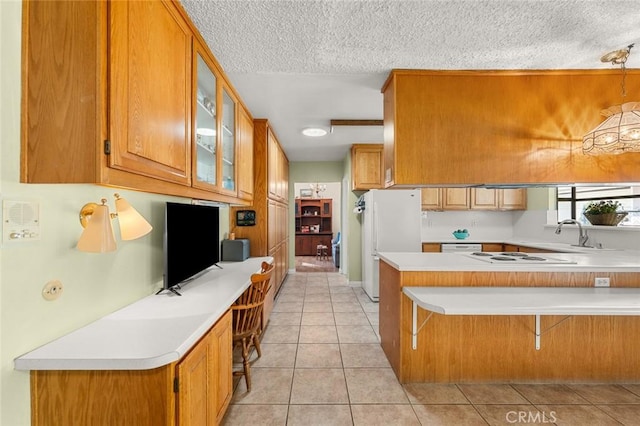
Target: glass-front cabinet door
(205,163)
(228,141)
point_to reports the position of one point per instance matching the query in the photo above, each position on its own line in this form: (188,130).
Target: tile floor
(314,264)
(322,365)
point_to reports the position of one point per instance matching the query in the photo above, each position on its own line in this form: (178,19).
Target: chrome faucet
(582,237)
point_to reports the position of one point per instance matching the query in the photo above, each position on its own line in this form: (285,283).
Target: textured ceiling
(302,63)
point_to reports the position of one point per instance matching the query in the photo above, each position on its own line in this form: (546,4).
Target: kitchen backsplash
(481,225)
(529,225)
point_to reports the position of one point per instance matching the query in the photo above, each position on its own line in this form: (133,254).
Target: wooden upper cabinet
(150,90)
(228,134)
(455,199)
(278,172)
(63,103)
(445,199)
(512,199)
(483,199)
(215,154)
(451,128)
(245,155)
(120,109)
(431,198)
(205,122)
(474,199)
(367,166)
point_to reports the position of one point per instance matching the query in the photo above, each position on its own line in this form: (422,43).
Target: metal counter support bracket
(539,332)
(414,328)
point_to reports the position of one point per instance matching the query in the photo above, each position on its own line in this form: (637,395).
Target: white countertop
(151,332)
(526,300)
(602,261)
(544,245)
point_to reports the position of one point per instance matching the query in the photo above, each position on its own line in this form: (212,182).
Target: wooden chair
(247,318)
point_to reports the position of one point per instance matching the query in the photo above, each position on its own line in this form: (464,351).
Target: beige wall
(94,284)
(354,226)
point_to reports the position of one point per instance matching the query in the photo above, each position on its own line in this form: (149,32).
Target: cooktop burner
(514,258)
(504,258)
(514,254)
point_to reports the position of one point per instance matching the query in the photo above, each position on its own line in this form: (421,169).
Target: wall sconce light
(98,236)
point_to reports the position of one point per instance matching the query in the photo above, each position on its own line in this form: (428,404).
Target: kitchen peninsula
(495,347)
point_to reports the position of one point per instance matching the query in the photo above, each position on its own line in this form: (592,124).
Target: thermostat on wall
(246,217)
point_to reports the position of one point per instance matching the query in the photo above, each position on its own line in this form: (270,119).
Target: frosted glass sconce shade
(132,224)
(97,236)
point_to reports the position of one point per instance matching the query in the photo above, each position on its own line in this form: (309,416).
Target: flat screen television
(191,242)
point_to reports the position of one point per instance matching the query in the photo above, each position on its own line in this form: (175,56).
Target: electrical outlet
(602,282)
(52,290)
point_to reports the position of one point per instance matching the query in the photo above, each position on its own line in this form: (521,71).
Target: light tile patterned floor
(322,364)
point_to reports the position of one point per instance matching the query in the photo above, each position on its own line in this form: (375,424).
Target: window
(572,200)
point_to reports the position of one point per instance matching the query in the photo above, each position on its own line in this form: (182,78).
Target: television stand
(171,289)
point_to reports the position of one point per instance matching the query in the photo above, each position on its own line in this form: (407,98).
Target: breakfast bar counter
(450,318)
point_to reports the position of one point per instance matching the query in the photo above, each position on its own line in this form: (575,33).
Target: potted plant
(604,213)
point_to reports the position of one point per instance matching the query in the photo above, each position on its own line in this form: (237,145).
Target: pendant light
(620,131)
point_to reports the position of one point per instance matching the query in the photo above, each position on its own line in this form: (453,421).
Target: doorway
(317,226)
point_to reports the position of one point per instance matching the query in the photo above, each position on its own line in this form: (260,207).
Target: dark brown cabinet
(313,225)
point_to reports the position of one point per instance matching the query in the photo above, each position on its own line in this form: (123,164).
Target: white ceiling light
(620,132)
(314,132)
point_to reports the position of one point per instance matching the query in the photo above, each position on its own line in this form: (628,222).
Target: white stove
(517,258)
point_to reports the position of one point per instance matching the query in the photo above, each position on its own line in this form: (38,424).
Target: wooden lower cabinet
(436,247)
(524,249)
(306,244)
(501,348)
(492,247)
(431,247)
(280,255)
(195,390)
(204,377)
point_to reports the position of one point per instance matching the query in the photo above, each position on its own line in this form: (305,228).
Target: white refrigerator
(391,222)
